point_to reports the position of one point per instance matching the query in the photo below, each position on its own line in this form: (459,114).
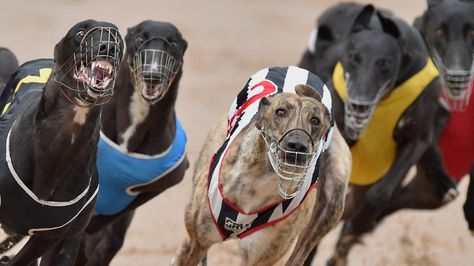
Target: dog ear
(308,91)
(320,38)
(362,20)
(264,102)
(432,3)
(324,35)
(185,45)
(130,33)
(389,26)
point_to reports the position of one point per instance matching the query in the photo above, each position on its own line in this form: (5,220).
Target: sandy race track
(228,41)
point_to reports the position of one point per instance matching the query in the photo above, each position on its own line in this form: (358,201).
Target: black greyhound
(50,127)
(384,87)
(448,29)
(142,148)
(8,65)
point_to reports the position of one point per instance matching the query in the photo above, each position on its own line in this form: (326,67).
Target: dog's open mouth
(97,75)
(152,90)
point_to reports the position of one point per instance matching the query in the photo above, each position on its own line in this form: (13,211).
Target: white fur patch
(80,115)
(138,112)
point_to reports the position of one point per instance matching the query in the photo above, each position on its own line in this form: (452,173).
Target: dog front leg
(33,249)
(335,172)
(346,241)
(63,254)
(100,221)
(146,193)
(407,155)
(189,253)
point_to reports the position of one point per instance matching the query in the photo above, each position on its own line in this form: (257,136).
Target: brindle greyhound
(389,78)
(448,29)
(257,185)
(8,65)
(142,149)
(50,126)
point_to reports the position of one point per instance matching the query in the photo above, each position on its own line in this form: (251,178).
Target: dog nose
(105,48)
(297,146)
(152,76)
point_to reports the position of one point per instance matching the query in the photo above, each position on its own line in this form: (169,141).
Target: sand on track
(229,40)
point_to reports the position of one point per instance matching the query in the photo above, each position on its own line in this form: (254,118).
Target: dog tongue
(152,89)
(100,74)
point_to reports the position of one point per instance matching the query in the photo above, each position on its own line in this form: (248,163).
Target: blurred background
(229,40)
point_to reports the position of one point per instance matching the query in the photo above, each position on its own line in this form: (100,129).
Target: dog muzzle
(457,84)
(153,72)
(291,167)
(93,66)
(357,114)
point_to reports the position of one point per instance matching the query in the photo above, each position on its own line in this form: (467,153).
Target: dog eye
(139,40)
(80,34)
(383,65)
(173,45)
(440,34)
(280,112)
(354,59)
(315,121)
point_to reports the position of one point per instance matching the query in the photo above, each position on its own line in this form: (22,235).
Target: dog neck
(138,126)
(58,140)
(247,176)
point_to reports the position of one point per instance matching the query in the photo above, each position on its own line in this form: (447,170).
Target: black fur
(8,65)
(448,26)
(105,235)
(376,47)
(55,168)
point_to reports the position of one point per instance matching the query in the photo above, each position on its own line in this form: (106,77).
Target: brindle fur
(246,159)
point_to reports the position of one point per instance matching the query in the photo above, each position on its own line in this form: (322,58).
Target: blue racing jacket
(120,171)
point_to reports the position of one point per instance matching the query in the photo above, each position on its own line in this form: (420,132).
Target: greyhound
(382,78)
(50,127)
(447,29)
(256,175)
(142,147)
